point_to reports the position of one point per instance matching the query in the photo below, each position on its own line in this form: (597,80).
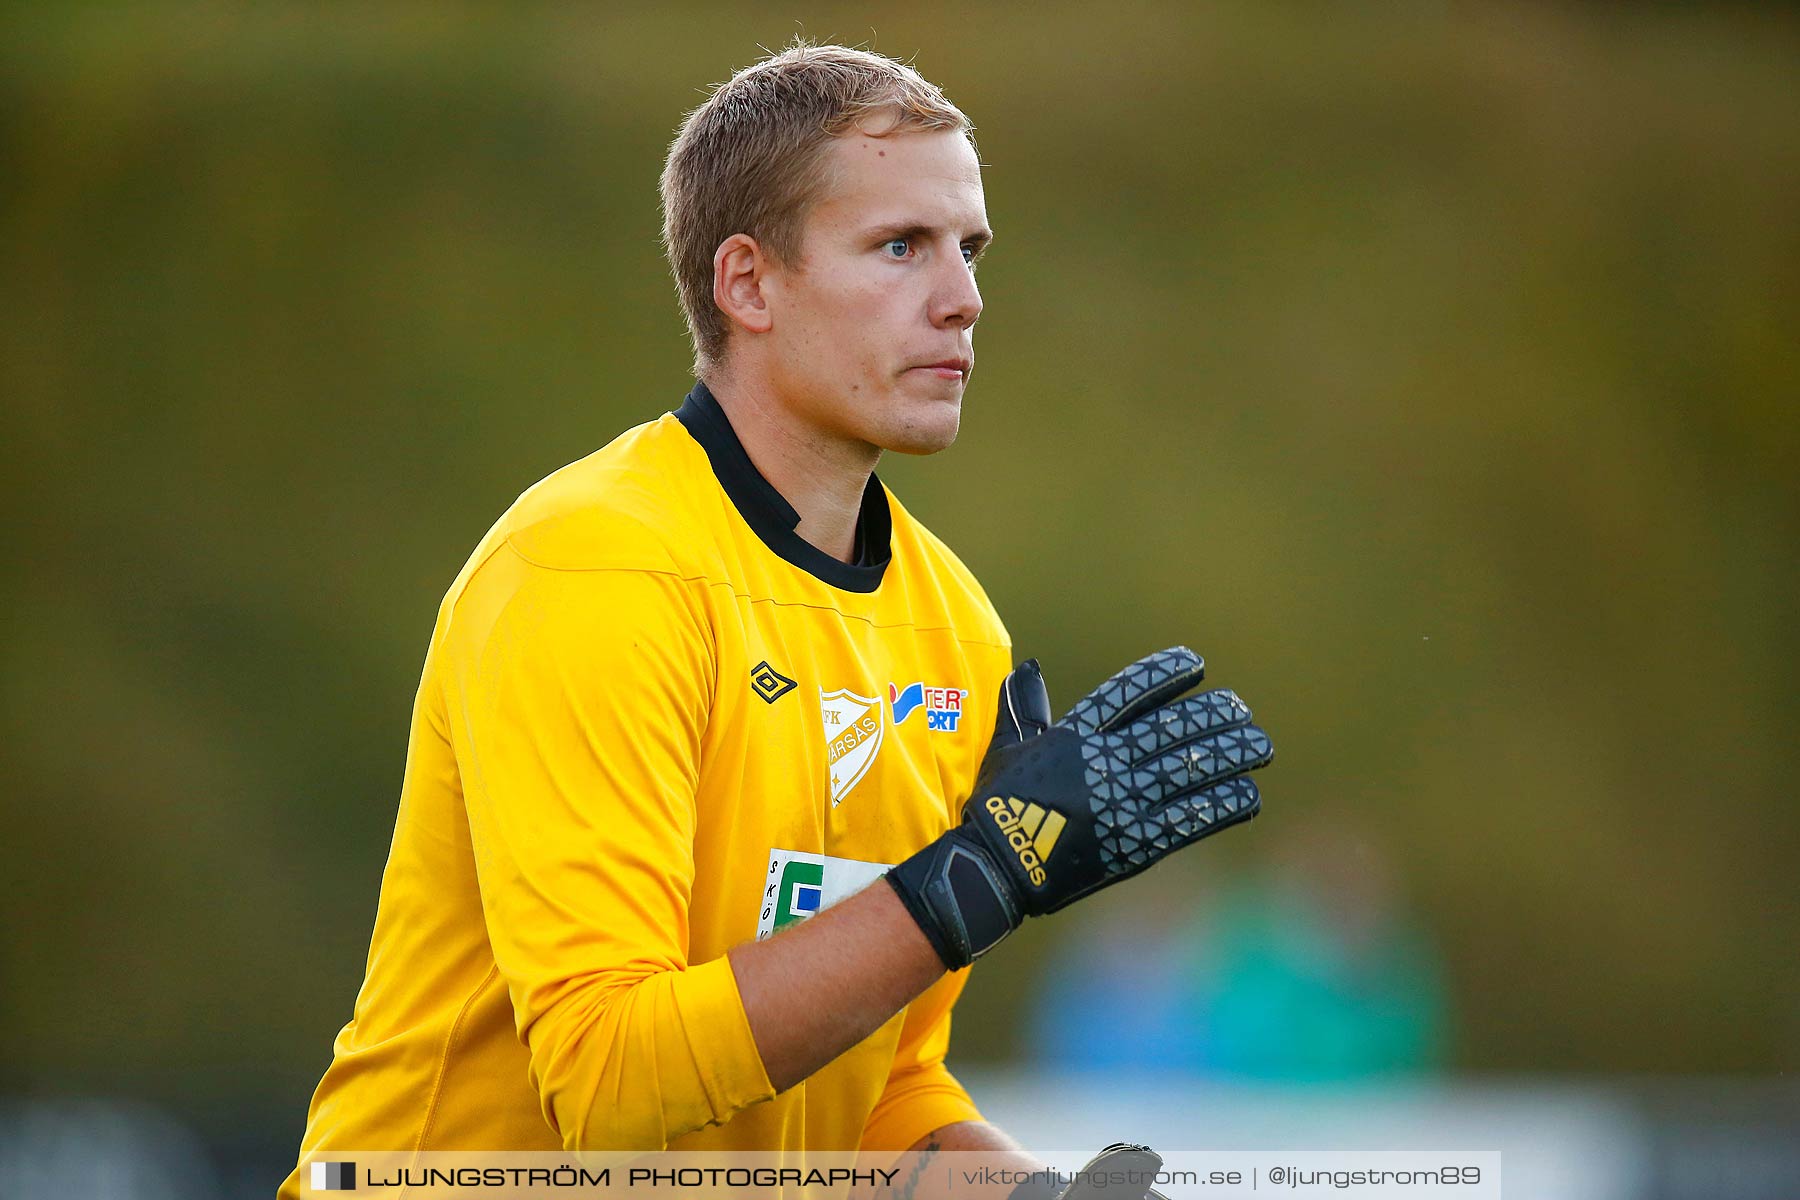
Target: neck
(823,476)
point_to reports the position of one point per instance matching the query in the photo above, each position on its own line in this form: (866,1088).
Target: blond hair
(750,160)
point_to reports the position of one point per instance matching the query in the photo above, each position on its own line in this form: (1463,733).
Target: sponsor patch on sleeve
(798,884)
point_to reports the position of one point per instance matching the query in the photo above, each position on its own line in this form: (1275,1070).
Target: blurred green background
(1431,368)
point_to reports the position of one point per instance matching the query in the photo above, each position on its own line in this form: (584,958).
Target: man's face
(883,294)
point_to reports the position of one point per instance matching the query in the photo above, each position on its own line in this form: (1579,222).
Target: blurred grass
(1430,368)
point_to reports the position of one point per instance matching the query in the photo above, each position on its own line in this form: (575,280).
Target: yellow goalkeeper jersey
(654,722)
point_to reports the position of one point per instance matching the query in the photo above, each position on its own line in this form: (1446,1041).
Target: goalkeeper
(720,773)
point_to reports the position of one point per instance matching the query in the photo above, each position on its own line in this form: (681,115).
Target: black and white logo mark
(769,683)
(334,1177)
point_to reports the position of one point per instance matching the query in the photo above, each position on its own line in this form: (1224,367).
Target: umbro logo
(1031,830)
(769,683)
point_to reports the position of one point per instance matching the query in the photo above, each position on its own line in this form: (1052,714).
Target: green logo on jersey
(800,892)
(799,884)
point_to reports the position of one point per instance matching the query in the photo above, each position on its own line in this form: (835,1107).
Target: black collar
(767,512)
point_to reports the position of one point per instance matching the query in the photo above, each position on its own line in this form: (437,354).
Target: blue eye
(969,255)
(900,242)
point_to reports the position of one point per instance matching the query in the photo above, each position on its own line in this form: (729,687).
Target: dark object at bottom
(1107,1176)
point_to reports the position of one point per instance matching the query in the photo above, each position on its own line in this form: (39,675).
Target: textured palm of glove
(1115,1173)
(1127,776)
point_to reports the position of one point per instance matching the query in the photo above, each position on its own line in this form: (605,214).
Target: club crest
(854,726)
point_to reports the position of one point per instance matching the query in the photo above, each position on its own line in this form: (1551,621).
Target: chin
(924,437)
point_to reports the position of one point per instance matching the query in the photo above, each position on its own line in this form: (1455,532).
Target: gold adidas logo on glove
(1030,829)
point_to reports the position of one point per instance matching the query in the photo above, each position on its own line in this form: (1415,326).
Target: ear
(739,265)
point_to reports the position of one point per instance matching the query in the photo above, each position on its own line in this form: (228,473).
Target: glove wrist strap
(959,897)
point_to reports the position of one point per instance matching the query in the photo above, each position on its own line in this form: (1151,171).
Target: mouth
(949,368)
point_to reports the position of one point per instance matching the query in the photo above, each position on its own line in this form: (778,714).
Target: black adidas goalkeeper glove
(1119,1172)
(1060,810)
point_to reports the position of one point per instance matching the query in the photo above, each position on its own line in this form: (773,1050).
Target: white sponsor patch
(799,884)
(854,726)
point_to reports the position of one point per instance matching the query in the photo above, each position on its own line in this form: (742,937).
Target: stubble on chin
(926,432)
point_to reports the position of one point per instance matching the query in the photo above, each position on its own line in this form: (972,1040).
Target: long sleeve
(577,702)
(921,1094)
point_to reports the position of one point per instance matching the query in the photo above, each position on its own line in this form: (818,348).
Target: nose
(955,300)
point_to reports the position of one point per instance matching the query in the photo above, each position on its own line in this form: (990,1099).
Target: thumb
(1024,706)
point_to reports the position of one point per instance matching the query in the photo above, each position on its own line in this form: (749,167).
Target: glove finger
(1024,709)
(1137,790)
(1133,842)
(1205,761)
(1207,812)
(1117,1171)
(1147,684)
(1178,724)
(1024,705)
